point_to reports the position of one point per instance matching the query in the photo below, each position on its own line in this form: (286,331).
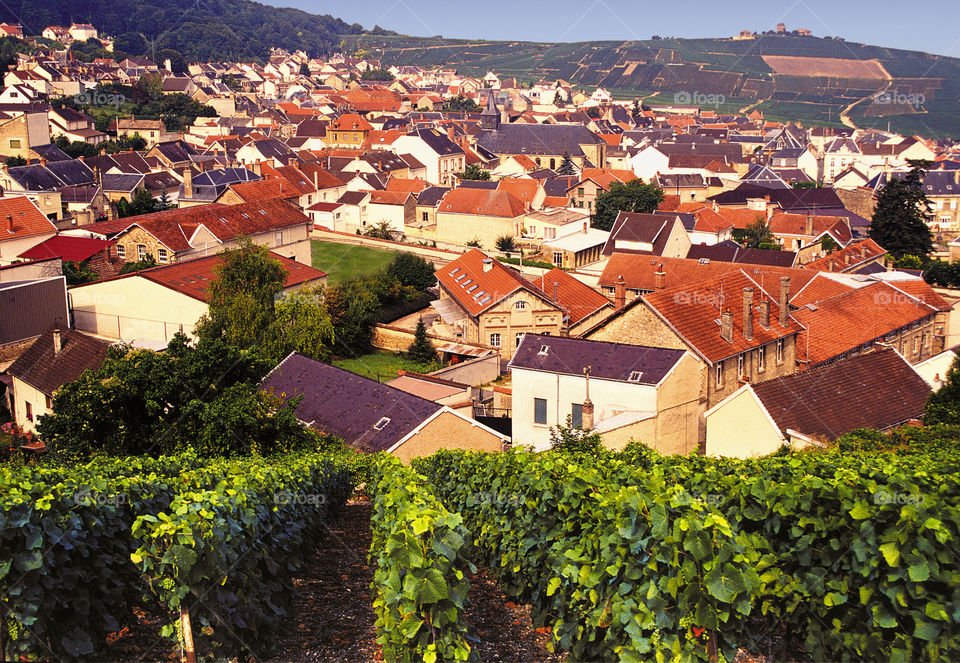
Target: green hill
(915,92)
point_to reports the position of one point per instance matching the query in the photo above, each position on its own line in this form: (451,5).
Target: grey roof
(548,139)
(121,182)
(176,151)
(366,414)
(35,178)
(273,148)
(51,152)
(431,195)
(353,197)
(437,141)
(942,183)
(730,251)
(653,229)
(609,361)
(72,172)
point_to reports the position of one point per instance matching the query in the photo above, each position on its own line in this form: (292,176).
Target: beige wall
(11,248)
(24,393)
(506,319)
(448,431)
(454,228)
(133,308)
(638,326)
(740,428)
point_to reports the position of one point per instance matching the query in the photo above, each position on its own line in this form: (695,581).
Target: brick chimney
(808,225)
(487,265)
(587,408)
(784,300)
(659,278)
(57,342)
(764,309)
(188,182)
(10,223)
(748,313)
(726,326)
(619,293)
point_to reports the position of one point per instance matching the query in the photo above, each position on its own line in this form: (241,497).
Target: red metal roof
(73,249)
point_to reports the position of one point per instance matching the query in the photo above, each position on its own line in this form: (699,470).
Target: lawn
(346,261)
(382,366)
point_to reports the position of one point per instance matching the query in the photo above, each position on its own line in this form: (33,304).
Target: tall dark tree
(757,234)
(634,196)
(412,270)
(900,221)
(566,166)
(474,172)
(421,349)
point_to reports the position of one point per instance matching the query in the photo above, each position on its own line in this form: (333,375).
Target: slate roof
(730,251)
(51,153)
(431,196)
(330,403)
(607,361)
(653,229)
(876,390)
(35,177)
(548,139)
(176,151)
(120,182)
(42,369)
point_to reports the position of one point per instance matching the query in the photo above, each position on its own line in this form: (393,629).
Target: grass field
(346,261)
(382,366)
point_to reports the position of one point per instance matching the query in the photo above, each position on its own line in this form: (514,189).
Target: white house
(442,157)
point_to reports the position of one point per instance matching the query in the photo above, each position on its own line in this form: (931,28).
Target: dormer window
(380,425)
(544,349)
(521,306)
(635,376)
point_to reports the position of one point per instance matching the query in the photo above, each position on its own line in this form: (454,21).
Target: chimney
(487,265)
(784,300)
(808,225)
(769,214)
(188,182)
(10,223)
(587,411)
(619,293)
(748,313)
(450,133)
(57,342)
(726,326)
(659,278)
(764,308)
(585,227)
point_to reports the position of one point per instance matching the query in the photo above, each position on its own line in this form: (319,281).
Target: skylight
(380,425)
(454,271)
(472,288)
(544,349)
(635,376)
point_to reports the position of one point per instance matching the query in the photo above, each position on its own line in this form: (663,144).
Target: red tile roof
(73,249)
(350,122)
(485,202)
(577,298)
(786,223)
(403,184)
(694,311)
(522,188)
(20,217)
(849,257)
(818,289)
(389,197)
(459,277)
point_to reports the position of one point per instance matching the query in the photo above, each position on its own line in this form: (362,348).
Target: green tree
(146,263)
(421,350)
(13,162)
(505,243)
(302,324)
(908,262)
(566,166)
(474,172)
(461,104)
(379,230)
(576,441)
(634,196)
(376,75)
(757,234)
(412,270)
(142,203)
(241,297)
(900,220)
(78,272)
(943,406)
(354,306)
(178,64)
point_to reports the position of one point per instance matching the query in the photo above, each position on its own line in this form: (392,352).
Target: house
(593,181)
(398,209)
(56,358)
(741,332)
(659,234)
(487,303)
(94,254)
(550,223)
(175,235)
(208,185)
(33,299)
(576,249)
(23,130)
(76,126)
(390,420)
(22,226)
(467,214)
(433,148)
(348,130)
(583,306)
(879,391)
(457,395)
(851,258)
(152,131)
(546,144)
(82,31)
(624,392)
(156,303)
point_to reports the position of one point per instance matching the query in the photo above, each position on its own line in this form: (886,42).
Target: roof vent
(380,425)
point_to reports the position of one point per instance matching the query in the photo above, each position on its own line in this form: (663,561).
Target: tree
(143,203)
(634,196)
(757,234)
(376,75)
(354,306)
(566,166)
(421,350)
(302,324)
(900,220)
(78,272)
(13,162)
(379,230)
(505,243)
(908,262)
(241,297)
(146,263)
(943,406)
(461,104)
(474,172)
(576,441)
(178,64)
(412,270)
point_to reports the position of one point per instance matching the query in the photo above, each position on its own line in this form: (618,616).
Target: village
(750,296)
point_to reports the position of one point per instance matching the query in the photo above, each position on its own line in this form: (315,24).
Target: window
(742,364)
(761,358)
(580,192)
(30,411)
(121,251)
(495,340)
(557,258)
(780,351)
(916,344)
(425,216)
(549,233)
(519,338)
(141,251)
(576,415)
(544,349)
(14,143)
(539,410)
(521,305)
(162,255)
(380,425)
(719,375)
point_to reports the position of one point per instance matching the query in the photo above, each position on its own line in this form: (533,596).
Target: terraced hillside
(809,79)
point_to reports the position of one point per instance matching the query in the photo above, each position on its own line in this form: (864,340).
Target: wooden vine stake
(190,654)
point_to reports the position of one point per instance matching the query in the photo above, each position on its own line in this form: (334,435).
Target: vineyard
(844,555)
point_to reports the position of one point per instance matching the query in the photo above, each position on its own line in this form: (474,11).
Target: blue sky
(930,25)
